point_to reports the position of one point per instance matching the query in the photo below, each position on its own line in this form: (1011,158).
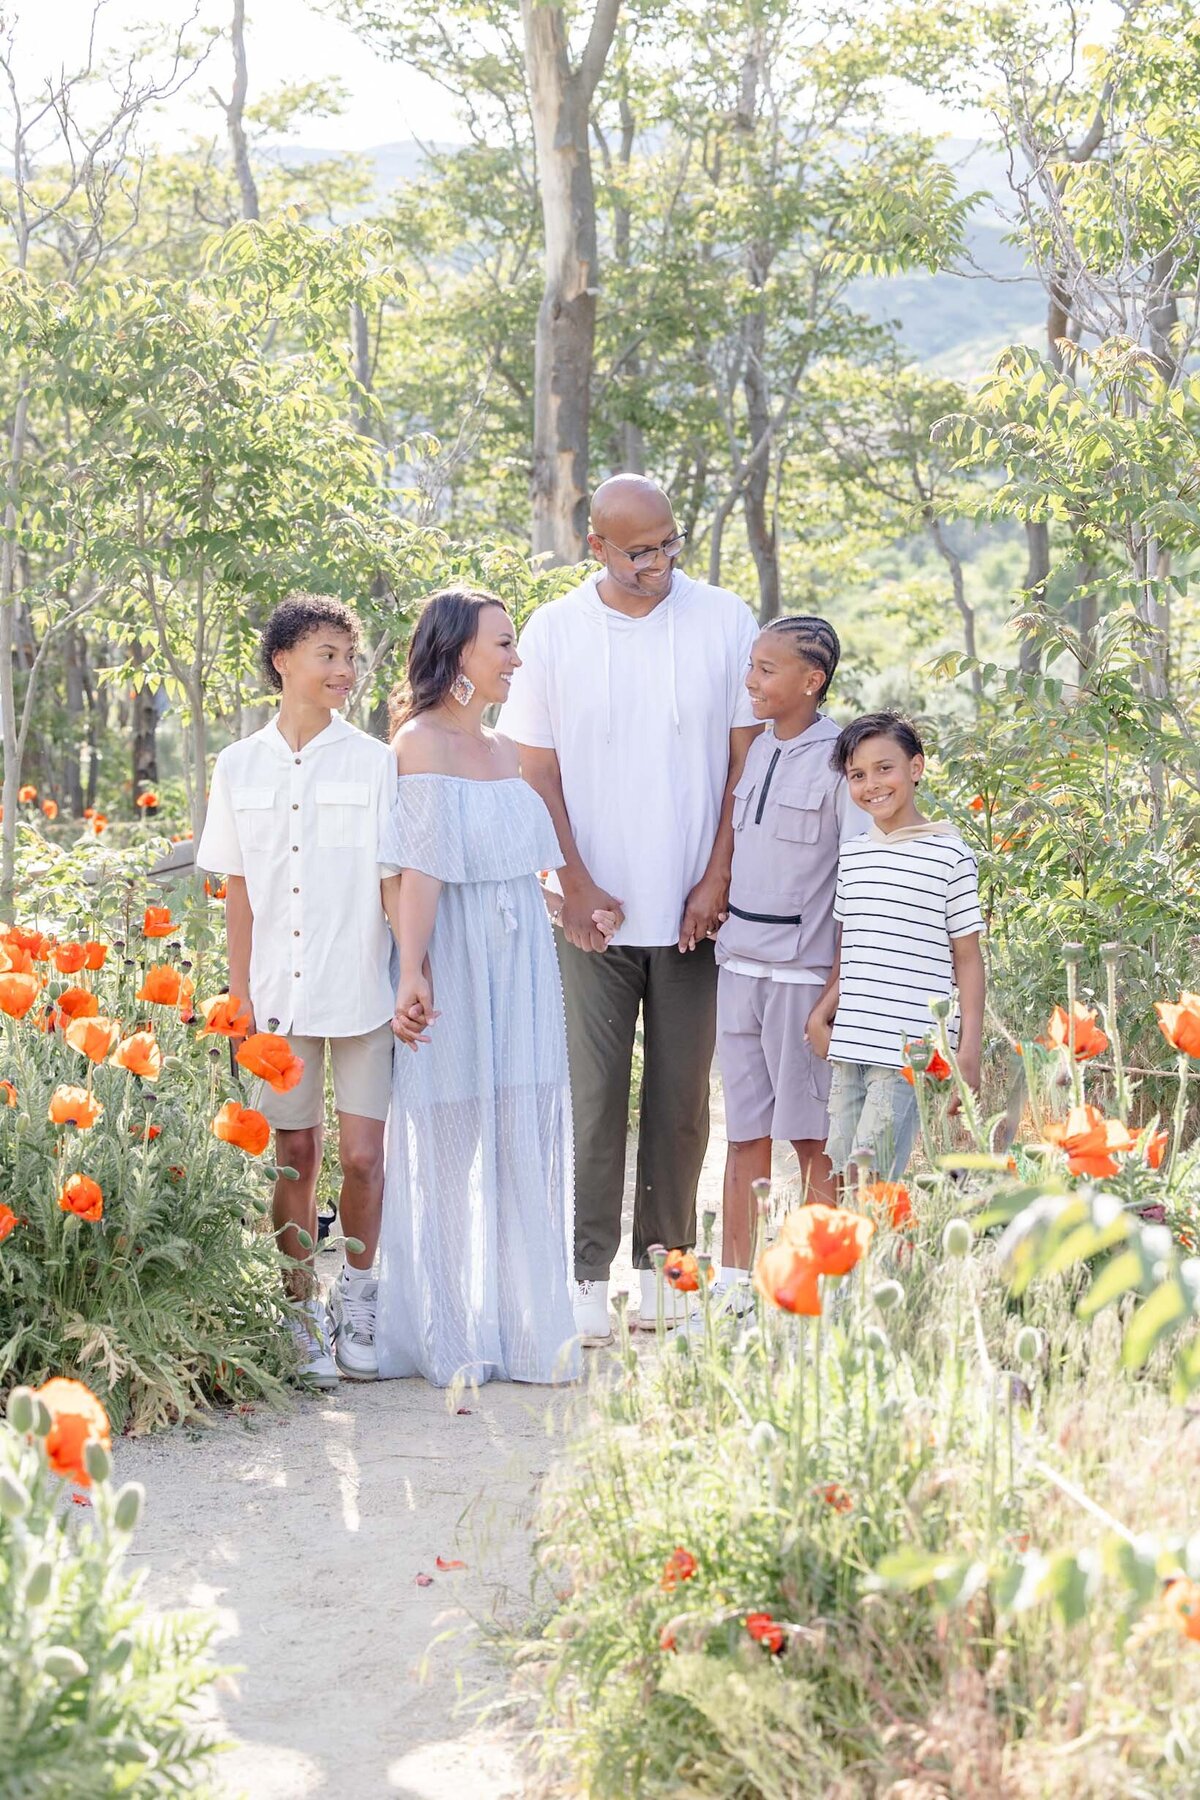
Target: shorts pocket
(254,809)
(342,811)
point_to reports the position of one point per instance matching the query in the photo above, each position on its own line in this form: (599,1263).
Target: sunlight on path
(306,1533)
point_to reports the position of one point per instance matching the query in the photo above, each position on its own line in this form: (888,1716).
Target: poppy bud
(1029,1344)
(42,1418)
(763,1438)
(939,1007)
(37,1588)
(877,1339)
(1073,954)
(64,1664)
(21,1410)
(118,1653)
(956,1239)
(128,1509)
(887,1295)
(97,1461)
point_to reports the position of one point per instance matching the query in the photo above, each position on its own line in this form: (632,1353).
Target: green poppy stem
(1182,1064)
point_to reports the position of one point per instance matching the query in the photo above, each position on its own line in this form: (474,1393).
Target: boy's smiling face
(319,669)
(883,781)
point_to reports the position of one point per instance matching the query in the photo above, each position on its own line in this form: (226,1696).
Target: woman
(474,1270)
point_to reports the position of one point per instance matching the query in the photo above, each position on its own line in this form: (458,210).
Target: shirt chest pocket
(798,817)
(743,794)
(342,811)
(254,808)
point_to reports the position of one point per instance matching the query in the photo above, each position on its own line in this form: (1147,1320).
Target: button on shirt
(302,828)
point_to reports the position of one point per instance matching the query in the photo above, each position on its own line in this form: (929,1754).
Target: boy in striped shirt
(908,903)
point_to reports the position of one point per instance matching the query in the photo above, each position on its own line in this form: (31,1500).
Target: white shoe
(732,1299)
(591,1314)
(677,1308)
(352,1319)
(311,1332)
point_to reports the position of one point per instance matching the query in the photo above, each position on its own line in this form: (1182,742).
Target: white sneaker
(352,1319)
(311,1332)
(677,1308)
(733,1299)
(591,1314)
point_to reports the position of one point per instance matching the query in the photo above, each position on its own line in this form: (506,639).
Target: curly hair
(295,618)
(813,639)
(448,625)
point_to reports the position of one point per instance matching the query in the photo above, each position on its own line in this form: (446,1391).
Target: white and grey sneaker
(352,1316)
(311,1332)
(678,1308)
(592,1323)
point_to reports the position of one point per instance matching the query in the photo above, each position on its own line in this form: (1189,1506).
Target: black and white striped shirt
(900,901)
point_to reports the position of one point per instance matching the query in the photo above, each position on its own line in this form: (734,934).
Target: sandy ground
(306,1533)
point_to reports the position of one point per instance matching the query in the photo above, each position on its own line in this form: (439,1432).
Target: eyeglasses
(642,559)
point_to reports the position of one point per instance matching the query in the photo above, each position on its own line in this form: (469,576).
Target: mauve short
(774,1086)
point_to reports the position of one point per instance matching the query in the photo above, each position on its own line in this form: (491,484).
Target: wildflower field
(924,1522)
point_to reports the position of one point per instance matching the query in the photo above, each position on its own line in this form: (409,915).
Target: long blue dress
(475,1253)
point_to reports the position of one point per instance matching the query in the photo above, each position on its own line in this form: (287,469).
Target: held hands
(590,917)
(414,1012)
(705,911)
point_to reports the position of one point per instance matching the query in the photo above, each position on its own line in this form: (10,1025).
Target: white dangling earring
(462,687)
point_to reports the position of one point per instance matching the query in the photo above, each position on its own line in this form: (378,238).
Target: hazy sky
(286,41)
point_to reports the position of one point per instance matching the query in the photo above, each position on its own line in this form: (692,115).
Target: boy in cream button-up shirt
(294,819)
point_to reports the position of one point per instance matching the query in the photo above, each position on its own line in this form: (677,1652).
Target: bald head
(629,503)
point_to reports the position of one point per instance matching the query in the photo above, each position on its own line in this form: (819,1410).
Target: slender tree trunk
(1037,573)
(143,732)
(74,663)
(235,114)
(760,526)
(560,97)
(8,602)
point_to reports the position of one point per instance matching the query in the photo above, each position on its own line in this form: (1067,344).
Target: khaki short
(362,1080)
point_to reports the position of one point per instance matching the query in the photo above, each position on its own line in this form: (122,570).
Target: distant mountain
(955,324)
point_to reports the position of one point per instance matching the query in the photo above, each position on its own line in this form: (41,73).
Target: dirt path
(306,1533)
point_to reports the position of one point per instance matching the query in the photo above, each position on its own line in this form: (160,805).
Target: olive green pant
(676,994)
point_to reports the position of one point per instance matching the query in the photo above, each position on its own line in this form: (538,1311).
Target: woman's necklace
(476,737)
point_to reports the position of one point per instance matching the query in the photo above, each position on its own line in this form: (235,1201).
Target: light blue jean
(873,1119)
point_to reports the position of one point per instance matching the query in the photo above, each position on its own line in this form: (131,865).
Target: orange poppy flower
(8,1221)
(14,960)
(77,1420)
(765,1631)
(216,893)
(682,1272)
(157,922)
(1156,1148)
(1179,1023)
(893,1200)
(99,823)
(267,1054)
(147,799)
(140,1054)
(148,1133)
(82,1196)
(242,1126)
(68,959)
(74,1106)
(94,955)
(78,1003)
(834,1238)
(1089,1140)
(50,808)
(788,1278)
(35,942)
(163,986)
(9,1092)
(89,812)
(18,993)
(679,1566)
(937,1068)
(666,1638)
(224,1017)
(1182,1601)
(48,1021)
(93,1037)
(27,793)
(836,1496)
(977,803)
(1089,1039)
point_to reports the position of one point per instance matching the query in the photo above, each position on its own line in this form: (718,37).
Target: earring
(462,687)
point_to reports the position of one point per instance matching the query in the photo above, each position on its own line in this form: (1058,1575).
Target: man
(294,819)
(633,724)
